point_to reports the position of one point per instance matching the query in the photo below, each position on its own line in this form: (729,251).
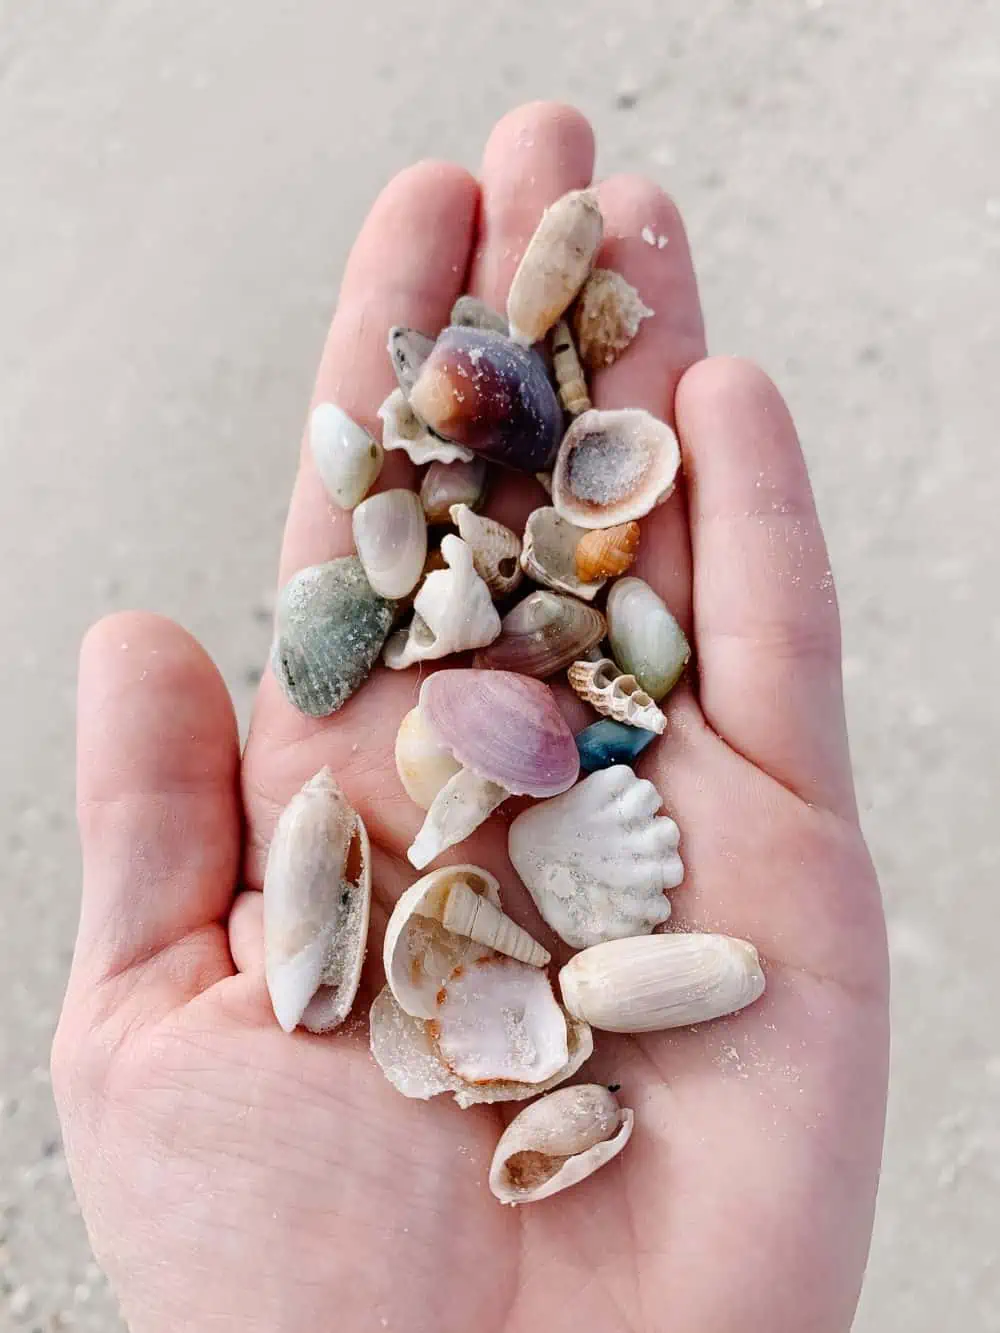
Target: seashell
(615,695)
(509,736)
(555,265)
(607,742)
(606,318)
(407,1051)
(330,627)
(543,634)
(661,981)
(471,313)
(317,895)
(544,480)
(597,859)
(549,554)
(645,638)
(408,350)
(495,549)
(604,553)
(390,535)
(423,765)
(401,429)
(347,458)
(569,373)
(614,466)
(441,923)
(558,1141)
(489,395)
(447,484)
(453,611)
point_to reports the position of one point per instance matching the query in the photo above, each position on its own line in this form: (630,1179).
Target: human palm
(234,1177)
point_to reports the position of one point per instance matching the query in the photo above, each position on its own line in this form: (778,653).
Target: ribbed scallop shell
(615,695)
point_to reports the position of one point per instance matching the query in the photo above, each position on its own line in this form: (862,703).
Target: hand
(233,1177)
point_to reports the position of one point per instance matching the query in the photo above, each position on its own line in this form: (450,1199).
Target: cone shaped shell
(555,264)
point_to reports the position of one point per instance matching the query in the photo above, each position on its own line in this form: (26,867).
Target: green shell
(331,625)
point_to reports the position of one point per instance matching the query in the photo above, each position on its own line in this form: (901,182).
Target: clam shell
(401,429)
(614,466)
(316,907)
(543,634)
(549,554)
(330,627)
(555,264)
(557,1141)
(347,458)
(606,318)
(615,695)
(597,858)
(453,611)
(495,549)
(608,742)
(491,396)
(447,484)
(604,553)
(569,373)
(645,638)
(661,981)
(423,765)
(471,313)
(390,535)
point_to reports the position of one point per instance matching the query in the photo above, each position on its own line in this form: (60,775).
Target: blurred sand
(180,184)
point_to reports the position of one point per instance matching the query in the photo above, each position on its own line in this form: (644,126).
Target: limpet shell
(549,554)
(453,611)
(447,484)
(402,429)
(614,466)
(330,628)
(646,640)
(495,549)
(602,685)
(606,318)
(347,458)
(555,264)
(604,553)
(390,536)
(543,634)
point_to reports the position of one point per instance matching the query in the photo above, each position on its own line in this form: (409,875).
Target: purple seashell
(503,727)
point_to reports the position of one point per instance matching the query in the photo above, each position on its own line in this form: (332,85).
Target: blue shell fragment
(608,742)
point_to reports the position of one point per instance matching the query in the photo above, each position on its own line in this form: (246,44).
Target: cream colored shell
(347,458)
(403,429)
(453,611)
(390,537)
(496,550)
(423,764)
(555,265)
(613,694)
(606,318)
(549,554)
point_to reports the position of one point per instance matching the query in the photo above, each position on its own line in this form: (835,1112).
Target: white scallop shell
(453,611)
(616,695)
(403,429)
(390,537)
(347,458)
(597,859)
(549,554)
(495,549)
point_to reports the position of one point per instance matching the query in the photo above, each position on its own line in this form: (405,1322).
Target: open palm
(234,1177)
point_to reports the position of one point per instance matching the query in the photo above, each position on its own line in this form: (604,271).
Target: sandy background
(180,183)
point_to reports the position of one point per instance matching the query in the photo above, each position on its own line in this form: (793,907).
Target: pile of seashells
(469,1006)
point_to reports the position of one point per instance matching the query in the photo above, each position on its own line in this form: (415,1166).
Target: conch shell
(614,466)
(606,318)
(604,553)
(402,429)
(453,611)
(557,1141)
(317,895)
(549,554)
(543,634)
(495,549)
(615,695)
(555,265)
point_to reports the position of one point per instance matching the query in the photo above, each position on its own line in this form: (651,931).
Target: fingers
(246,932)
(765,611)
(158,801)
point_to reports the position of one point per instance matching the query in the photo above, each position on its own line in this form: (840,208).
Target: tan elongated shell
(613,694)
(549,554)
(317,896)
(390,536)
(542,634)
(496,550)
(606,318)
(661,981)
(604,553)
(573,392)
(555,265)
(614,466)
(557,1141)
(423,764)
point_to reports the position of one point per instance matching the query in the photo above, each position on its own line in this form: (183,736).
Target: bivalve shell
(646,640)
(605,553)
(555,264)
(614,466)
(447,484)
(347,458)
(423,764)
(543,634)
(496,550)
(549,554)
(615,695)
(390,536)
(606,318)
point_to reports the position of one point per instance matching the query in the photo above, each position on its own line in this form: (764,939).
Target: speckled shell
(606,318)
(618,696)
(543,634)
(555,264)
(614,466)
(330,627)
(604,553)
(646,640)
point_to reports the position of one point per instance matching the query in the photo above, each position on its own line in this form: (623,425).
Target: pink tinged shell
(504,727)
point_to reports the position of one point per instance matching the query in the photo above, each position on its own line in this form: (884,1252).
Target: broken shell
(509,736)
(606,318)
(549,554)
(471,313)
(558,1141)
(661,981)
(330,627)
(401,429)
(555,264)
(604,553)
(614,466)
(645,638)
(347,458)
(607,742)
(543,634)
(447,484)
(597,858)
(317,894)
(569,373)
(407,1051)
(495,549)
(390,535)
(441,923)
(423,765)
(602,685)
(453,611)
(491,396)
